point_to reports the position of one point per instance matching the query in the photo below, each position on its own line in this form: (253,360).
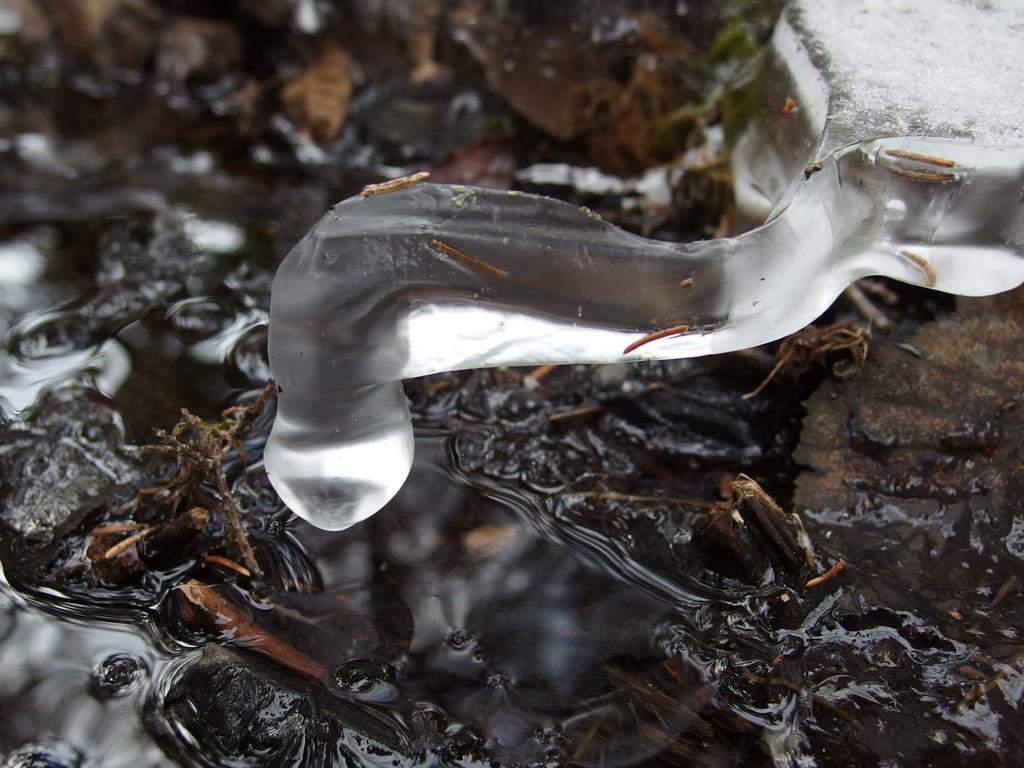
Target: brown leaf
(485,164)
(197,47)
(488,540)
(317,101)
(33,25)
(107,33)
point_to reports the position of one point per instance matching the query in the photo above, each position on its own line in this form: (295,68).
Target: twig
(241,630)
(105,530)
(936,177)
(227,563)
(990,683)
(875,316)
(879,290)
(394,185)
(780,362)
(1003,591)
(122,546)
(632,498)
(920,263)
(584,410)
(831,572)
(906,154)
(541,371)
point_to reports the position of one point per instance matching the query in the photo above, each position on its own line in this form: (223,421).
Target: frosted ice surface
(431,278)
(922,67)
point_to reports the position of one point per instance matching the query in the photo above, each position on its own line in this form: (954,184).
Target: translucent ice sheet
(431,278)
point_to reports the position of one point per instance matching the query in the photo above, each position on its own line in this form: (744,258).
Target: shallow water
(543,591)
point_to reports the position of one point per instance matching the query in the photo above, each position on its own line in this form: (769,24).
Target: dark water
(546,590)
(543,591)
(501,609)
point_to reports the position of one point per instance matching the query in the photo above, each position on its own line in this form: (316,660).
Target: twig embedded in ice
(941,162)
(676,330)
(921,263)
(478,264)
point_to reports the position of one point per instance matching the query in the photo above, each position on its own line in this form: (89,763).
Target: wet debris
(202,607)
(813,345)
(629,455)
(120,553)
(317,100)
(200,449)
(197,50)
(760,540)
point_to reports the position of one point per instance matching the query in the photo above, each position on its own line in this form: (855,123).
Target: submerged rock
(49,753)
(234,713)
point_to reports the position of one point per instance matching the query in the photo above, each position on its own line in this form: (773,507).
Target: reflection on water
(67,690)
(451,627)
(542,591)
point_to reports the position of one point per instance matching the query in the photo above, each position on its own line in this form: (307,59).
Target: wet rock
(135,275)
(51,753)
(610,71)
(236,713)
(933,429)
(65,458)
(915,479)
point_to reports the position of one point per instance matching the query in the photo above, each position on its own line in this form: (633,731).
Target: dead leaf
(485,164)
(488,540)
(317,101)
(108,33)
(33,25)
(197,47)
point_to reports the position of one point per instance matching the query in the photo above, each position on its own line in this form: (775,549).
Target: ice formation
(432,278)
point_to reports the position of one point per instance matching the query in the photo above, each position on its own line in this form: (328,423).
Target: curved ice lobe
(433,278)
